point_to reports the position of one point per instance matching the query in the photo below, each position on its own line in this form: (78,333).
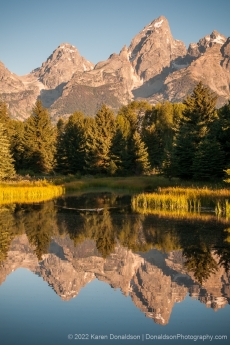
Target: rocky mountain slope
(137,71)
(46,82)
(155,67)
(209,64)
(20,93)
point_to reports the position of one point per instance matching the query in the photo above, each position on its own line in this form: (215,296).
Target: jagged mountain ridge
(155,67)
(46,82)
(209,64)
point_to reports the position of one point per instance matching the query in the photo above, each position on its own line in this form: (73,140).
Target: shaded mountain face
(155,67)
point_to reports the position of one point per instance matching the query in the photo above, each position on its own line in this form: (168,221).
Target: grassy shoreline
(28,191)
(181,200)
(134,183)
(154,186)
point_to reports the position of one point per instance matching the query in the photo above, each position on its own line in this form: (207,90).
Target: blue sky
(30,30)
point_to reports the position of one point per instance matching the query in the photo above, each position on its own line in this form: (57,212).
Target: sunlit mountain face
(155,67)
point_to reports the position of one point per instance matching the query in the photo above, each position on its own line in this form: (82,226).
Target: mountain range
(155,67)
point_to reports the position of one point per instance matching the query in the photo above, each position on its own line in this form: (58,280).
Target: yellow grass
(28,192)
(184,199)
(164,201)
(198,192)
(227,208)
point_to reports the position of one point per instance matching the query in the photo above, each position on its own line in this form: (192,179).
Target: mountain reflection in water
(155,260)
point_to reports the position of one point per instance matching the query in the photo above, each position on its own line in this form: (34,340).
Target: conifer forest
(189,140)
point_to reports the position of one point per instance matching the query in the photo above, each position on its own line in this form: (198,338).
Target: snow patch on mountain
(137,81)
(178,66)
(219,39)
(158,24)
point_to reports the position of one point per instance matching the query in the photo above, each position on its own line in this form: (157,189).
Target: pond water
(87,269)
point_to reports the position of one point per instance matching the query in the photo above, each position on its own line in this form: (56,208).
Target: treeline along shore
(189,141)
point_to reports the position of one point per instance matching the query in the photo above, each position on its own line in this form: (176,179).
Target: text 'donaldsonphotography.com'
(147,337)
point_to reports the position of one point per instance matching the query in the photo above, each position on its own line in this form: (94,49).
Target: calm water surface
(87,269)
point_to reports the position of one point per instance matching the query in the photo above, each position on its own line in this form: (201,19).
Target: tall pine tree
(223,134)
(158,129)
(4,115)
(99,141)
(121,154)
(15,133)
(195,126)
(208,160)
(71,145)
(39,140)
(140,155)
(61,154)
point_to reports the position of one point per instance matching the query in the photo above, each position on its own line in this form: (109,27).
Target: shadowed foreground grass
(131,184)
(134,183)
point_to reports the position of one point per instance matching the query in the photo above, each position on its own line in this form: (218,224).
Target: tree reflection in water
(203,243)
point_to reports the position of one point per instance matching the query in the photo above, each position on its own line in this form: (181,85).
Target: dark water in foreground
(86,269)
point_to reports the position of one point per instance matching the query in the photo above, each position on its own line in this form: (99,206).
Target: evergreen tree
(208,160)
(121,146)
(99,141)
(6,160)
(168,167)
(200,106)
(194,126)
(140,155)
(158,129)
(16,135)
(4,115)
(183,152)
(128,150)
(223,134)
(71,147)
(61,152)
(153,142)
(39,141)
(135,112)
